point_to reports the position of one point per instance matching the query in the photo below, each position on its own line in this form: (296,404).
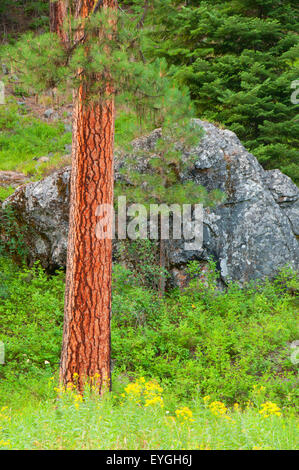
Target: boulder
(12,178)
(48,113)
(43,206)
(251,235)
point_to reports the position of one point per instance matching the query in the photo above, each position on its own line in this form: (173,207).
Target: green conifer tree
(239,60)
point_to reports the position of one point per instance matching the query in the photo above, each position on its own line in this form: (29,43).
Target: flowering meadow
(198,369)
(142,418)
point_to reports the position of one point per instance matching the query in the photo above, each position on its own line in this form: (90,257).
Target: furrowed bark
(86,335)
(58,13)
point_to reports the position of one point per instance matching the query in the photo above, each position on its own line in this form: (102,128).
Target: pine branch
(142,19)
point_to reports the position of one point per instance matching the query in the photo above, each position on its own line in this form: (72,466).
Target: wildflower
(269,409)
(133,389)
(185,414)
(259,389)
(70,386)
(154,401)
(218,408)
(142,392)
(153,387)
(206,399)
(5,443)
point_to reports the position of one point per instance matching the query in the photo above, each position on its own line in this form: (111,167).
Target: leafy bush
(31,315)
(210,342)
(12,235)
(197,342)
(142,258)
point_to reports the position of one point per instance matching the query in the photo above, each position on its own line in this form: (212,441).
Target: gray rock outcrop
(251,235)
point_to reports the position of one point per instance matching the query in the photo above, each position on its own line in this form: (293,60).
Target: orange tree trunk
(58,11)
(86,335)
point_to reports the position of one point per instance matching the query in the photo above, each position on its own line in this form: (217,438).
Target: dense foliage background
(238,58)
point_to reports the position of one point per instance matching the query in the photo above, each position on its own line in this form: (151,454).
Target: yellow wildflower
(5,443)
(269,409)
(218,408)
(154,401)
(185,414)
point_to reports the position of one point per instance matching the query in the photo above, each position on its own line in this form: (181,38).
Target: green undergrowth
(24,139)
(5,192)
(70,422)
(197,342)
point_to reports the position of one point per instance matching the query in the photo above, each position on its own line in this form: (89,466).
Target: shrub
(31,315)
(197,342)
(213,343)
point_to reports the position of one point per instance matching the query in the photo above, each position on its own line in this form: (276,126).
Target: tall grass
(69,422)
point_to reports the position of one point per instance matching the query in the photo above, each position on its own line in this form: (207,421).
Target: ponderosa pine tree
(86,335)
(238,59)
(97,60)
(58,14)
(100,60)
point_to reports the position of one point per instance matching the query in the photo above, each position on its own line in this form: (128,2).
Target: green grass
(6,192)
(67,423)
(23,138)
(231,346)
